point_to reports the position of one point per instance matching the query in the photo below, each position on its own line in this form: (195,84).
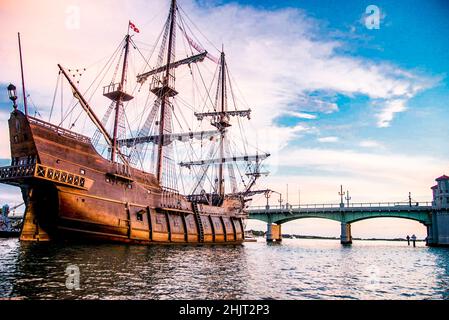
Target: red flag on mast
(133,27)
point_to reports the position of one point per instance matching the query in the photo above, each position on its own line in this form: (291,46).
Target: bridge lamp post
(12,95)
(347,198)
(269,234)
(267,196)
(341,193)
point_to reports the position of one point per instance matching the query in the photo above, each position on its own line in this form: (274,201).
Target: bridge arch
(423,217)
(300,217)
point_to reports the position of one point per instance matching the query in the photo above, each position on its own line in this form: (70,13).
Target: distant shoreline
(335,238)
(295,236)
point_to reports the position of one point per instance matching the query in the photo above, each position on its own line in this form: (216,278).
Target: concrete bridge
(435,218)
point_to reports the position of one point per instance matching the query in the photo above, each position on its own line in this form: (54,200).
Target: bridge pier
(274,232)
(269,232)
(345,236)
(430,235)
(438,231)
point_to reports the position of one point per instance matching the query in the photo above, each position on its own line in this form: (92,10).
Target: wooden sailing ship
(73,191)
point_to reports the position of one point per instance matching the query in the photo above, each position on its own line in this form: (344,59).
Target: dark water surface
(295,269)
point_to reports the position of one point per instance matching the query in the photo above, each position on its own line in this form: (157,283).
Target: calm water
(295,269)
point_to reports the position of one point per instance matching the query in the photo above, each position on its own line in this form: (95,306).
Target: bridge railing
(338,205)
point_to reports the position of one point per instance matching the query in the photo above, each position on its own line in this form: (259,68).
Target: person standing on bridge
(414,240)
(408,239)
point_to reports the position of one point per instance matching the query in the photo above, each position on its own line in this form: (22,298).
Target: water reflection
(295,269)
(138,272)
(442,271)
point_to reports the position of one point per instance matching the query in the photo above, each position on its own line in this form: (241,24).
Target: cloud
(301,115)
(315,101)
(386,115)
(381,167)
(370,144)
(328,139)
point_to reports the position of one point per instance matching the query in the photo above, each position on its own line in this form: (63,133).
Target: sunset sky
(333,101)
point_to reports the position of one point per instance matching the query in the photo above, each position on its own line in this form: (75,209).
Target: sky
(337,98)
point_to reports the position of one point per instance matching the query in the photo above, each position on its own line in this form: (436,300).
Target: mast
(25,106)
(119,101)
(222,131)
(164,100)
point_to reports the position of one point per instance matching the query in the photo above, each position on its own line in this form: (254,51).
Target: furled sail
(224,160)
(169,138)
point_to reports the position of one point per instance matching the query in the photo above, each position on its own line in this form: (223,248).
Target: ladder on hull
(198,221)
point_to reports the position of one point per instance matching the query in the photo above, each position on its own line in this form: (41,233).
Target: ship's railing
(21,171)
(47,173)
(59,130)
(60,176)
(111,88)
(170,198)
(166,86)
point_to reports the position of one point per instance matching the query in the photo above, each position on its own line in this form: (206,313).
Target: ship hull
(72,193)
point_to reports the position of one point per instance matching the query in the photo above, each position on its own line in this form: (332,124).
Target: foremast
(115,92)
(89,111)
(119,99)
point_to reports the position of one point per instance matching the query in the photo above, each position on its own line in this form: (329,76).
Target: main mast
(223,123)
(165,92)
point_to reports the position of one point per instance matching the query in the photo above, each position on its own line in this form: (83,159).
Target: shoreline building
(439,230)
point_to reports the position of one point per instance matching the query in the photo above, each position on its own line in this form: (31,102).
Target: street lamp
(347,197)
(341,194)
(12,94)
(267,196)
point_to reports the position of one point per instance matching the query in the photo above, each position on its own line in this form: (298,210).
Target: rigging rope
(54,95)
